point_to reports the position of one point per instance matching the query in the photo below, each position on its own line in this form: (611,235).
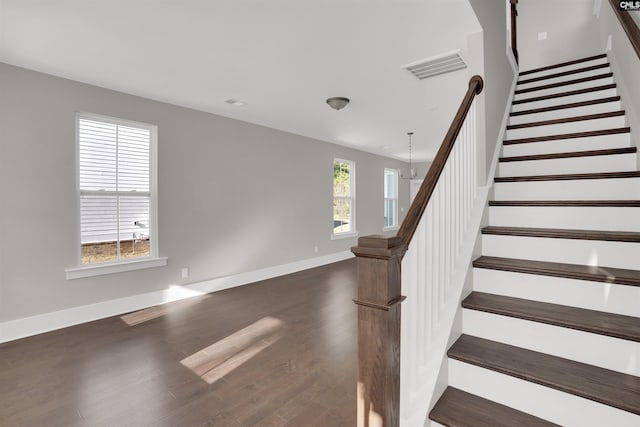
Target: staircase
(551,330)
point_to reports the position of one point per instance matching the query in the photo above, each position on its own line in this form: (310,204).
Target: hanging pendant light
(412,172)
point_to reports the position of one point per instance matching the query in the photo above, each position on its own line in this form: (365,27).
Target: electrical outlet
(542,35)
(315,249)
(185,272)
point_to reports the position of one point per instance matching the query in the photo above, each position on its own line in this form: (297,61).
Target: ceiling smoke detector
(436,65)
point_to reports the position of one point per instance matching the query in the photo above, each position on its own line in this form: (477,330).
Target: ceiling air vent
(439,64)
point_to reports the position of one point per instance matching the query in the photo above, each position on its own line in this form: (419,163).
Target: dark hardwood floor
(280,352)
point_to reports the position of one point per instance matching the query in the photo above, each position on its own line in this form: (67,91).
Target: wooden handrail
(628,24)
(411,221)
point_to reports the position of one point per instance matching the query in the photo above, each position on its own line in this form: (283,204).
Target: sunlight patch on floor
(179,296)
(219,359)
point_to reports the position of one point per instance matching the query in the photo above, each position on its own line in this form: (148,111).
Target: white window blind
(115,190)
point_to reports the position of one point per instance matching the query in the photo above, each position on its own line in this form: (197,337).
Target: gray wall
(498,73)
(625,65)
(569,24)
(233,197)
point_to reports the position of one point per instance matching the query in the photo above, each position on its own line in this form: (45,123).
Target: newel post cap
(378,246)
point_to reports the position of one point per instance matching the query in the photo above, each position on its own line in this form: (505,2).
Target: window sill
(392,228)
(119,267)
(344,235)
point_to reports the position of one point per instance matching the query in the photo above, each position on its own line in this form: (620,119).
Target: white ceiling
(282,57)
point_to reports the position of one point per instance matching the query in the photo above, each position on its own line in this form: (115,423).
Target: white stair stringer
(586,347)
(624,255)
(550,404)
(600,296)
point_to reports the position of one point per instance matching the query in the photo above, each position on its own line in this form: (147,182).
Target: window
(344,197)
(390,199)
(116,191)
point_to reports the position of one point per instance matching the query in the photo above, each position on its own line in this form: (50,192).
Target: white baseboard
(28,326)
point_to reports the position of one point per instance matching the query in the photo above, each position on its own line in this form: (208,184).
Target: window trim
(396,224)
(352,197)
(153,260)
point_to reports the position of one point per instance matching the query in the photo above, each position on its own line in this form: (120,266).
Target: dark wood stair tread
(568,120)
(597,322)
(573,135)
(564,73)
(569,176)
(563,94)
(618,276)
(565,106)
(562,233)
(570,154)
(563,64)
(457,408)
(565,83)
(568,203)
(609,387)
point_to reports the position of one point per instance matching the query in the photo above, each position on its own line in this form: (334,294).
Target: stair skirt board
(553,405)
(594,295)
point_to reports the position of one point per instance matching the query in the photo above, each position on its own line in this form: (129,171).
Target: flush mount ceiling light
(337,102)
(235,102)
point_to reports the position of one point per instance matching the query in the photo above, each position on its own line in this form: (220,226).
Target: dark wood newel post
(379,259)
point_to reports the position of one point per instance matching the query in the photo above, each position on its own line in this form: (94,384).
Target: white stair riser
(581,218)
(608,163)
(602,142)
(552,80)
(600,296)
(553,405)
(564,68)
(594,349)
(605,93)
(578,189)
(571,127)
(564,88)
(568,251)
(566,112)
